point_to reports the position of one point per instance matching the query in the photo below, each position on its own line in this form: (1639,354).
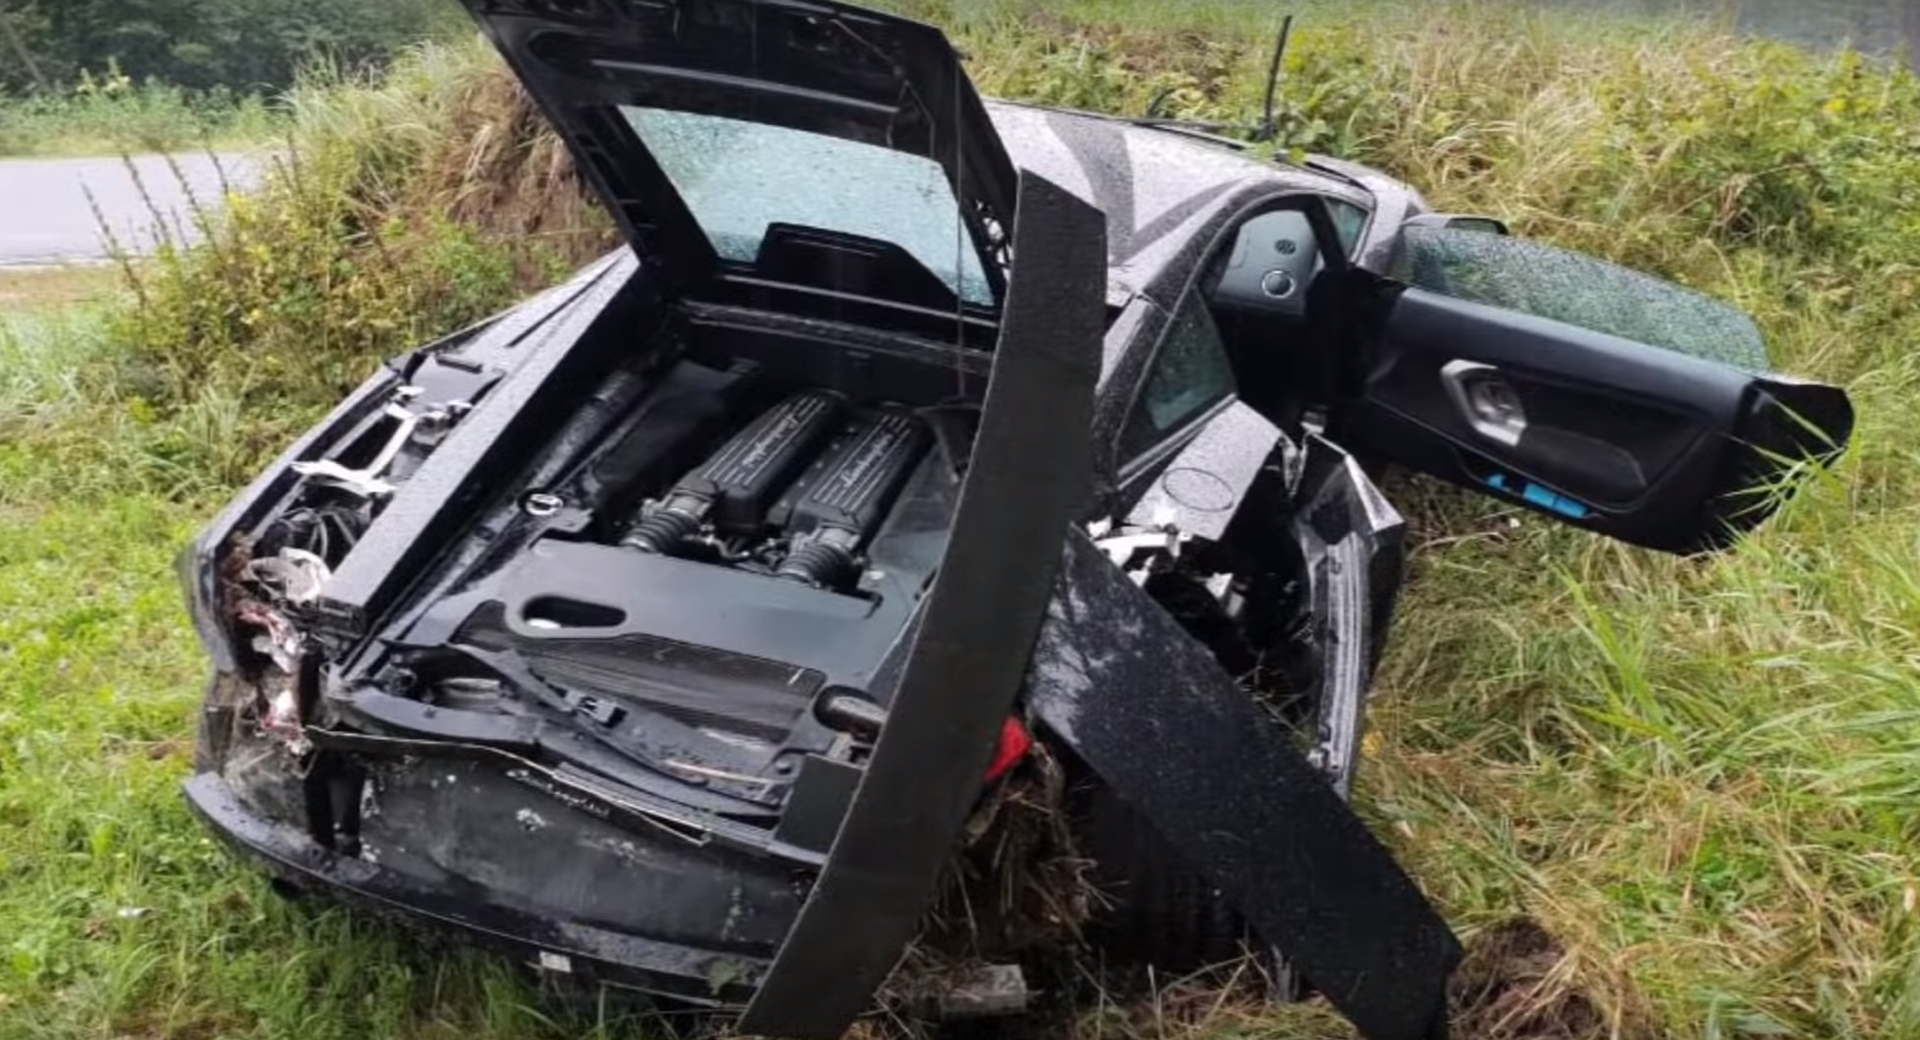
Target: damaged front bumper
(555,877)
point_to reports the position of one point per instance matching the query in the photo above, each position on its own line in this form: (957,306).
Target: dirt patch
(1516,983)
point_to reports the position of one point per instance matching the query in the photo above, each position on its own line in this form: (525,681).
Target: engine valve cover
(842,499)
(853,485)
(732,489)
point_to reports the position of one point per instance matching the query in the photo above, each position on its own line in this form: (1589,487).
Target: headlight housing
(196,570)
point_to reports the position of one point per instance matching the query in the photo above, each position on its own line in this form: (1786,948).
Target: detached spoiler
(1025,482)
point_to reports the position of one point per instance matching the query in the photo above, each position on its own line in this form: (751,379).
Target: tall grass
(407,205)
(1663,797)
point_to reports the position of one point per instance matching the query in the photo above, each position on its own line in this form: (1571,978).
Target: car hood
(775,139)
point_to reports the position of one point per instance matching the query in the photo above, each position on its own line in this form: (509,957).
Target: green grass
(115,116)
(1697,776)
(123,918)
(50,330)
(119,916)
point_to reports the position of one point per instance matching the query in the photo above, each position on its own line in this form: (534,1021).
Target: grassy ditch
(1661,797)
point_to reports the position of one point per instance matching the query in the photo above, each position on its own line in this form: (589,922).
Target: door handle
(1484,398)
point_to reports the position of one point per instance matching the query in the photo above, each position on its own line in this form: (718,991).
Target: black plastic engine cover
(853,485)
(667,435)
(741,479)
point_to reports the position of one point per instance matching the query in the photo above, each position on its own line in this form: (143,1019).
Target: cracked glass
(738,177)
(1548,282)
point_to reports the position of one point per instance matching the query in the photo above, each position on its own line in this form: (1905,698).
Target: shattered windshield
(738,177)
(1533,278)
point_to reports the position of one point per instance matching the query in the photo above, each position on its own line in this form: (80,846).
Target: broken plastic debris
(990,989)
(283,721)
(282,642)
(296,574)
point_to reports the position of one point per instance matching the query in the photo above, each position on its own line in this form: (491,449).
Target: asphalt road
(46,216)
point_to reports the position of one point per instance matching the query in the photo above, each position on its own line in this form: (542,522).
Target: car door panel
(1118,680)
(1646,443)
(962,671)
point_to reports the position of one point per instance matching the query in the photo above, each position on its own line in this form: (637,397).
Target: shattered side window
(739,177)
(1191,373)
(1350,220)
(1538,279)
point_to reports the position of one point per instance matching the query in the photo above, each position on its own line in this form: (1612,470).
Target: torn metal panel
(1025,481)
(1154,715)
(1352,541)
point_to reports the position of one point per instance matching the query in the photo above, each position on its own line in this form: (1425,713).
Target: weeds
(1691,778)
(110,115)
(402,209)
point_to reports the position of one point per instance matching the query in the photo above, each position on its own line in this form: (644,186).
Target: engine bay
(703,570)
(680,575)
(740,579)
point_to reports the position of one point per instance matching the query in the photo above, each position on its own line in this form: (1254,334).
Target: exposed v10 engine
(840,467)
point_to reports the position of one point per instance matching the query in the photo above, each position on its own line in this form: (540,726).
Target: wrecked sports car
(679,627)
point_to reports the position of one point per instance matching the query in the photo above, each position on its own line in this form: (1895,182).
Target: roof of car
(1165,193)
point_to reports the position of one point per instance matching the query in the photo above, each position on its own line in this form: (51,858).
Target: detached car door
(1594,394)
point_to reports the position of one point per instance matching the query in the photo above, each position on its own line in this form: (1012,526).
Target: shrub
(111,113)
(243,45)
(404,206)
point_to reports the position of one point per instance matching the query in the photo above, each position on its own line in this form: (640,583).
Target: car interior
(1257,293)
(1249,328)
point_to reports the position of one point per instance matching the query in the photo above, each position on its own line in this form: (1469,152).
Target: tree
(19,48)
(248,45)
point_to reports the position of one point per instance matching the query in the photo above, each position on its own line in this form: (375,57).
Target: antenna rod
(1269,126)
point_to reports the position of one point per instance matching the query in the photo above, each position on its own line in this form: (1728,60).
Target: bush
(246,46)
(406,205)
(110,114)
